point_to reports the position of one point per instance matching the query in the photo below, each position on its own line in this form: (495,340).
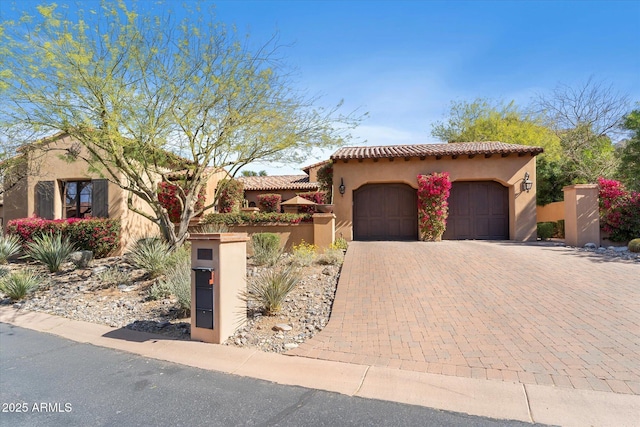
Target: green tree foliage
(629,169)
(483,120)
(132,87)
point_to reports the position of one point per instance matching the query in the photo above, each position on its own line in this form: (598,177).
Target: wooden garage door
(385,212)
(478,210)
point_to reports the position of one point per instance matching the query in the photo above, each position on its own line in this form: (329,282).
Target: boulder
(81,259)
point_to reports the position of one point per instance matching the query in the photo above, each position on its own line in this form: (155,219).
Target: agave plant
(9,245)
(50,249)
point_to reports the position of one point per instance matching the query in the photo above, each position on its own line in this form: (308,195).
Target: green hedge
(252,218)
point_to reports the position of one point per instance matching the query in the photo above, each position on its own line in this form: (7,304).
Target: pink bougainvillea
(319,197)
(270,202)
(171,198)
(433,206)
(619,211)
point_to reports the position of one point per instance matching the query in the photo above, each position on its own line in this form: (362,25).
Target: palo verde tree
(141,92)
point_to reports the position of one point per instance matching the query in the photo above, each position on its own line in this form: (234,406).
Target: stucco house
(51,187)
(374,190)
(285,185)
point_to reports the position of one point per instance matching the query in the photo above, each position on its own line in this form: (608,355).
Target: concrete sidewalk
(496,399)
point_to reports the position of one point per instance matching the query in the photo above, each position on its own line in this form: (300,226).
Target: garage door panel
(385,212)
(478,210)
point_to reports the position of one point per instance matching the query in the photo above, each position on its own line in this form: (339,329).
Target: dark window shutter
(44,199)
(100,198)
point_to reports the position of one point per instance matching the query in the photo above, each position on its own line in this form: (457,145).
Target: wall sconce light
(342,188)
(526,183)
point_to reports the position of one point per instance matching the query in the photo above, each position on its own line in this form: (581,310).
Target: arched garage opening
(478,210)
(385,212)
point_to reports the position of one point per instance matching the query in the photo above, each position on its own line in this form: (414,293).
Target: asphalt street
(50,381)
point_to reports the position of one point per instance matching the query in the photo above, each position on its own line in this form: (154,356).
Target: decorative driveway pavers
(505,311)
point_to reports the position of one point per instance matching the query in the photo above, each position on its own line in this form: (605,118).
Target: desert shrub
(634,245)
(304,254)
(152,255)
(50,249)
(271,288)
(98,235)
(19,284)
(266,248)
(331,256)
(3,272)
(9,246)
(545,230)
(558,229)
(159,290)
(270,202)
(340,243)
(178,280)
(214,227)
(113,276)
(325,178)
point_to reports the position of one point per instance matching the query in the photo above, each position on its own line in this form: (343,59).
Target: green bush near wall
(545,230)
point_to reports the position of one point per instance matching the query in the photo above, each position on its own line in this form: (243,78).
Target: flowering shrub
(619,210)
(231,194)
(270,202)
(171,198)
(99,235)
(433,193)
(248,218)
(319,197)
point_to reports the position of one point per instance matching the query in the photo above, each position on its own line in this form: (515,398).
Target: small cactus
(634,245)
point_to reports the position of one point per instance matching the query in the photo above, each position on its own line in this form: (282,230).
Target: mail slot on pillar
(219,264)
(205,282)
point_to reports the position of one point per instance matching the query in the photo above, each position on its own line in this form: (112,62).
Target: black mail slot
(205,280)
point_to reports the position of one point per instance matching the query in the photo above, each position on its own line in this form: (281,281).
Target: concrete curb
(488,398)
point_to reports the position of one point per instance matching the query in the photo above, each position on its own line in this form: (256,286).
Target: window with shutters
(77,198)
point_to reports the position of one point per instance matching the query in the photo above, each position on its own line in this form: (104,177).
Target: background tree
(133,88)
(484,120)
(629,168)
(586,118)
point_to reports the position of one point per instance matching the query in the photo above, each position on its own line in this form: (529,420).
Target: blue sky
(404,61)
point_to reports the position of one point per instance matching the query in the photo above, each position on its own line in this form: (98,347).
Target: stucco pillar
(581,215)
(219,264)
(324,230)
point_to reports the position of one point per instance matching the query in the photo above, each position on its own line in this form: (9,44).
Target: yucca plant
(19,284)
(50,249)
(271,288)
(152,255)
(9,245)
(179,281)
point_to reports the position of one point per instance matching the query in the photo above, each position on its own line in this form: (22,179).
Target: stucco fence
(320,232)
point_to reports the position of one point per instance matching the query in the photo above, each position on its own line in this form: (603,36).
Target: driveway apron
(503,311)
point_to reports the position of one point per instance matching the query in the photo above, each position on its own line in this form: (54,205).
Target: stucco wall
(289,234)
(550,213)
(508,171)
(49,166)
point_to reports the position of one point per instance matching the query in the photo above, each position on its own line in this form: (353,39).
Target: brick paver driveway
(494,310)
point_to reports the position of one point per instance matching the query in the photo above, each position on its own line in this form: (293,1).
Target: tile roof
(307,168)
(278,182)
(431,150)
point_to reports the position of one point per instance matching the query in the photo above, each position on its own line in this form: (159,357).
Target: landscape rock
(590,246)
(81,259)
(282,327)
